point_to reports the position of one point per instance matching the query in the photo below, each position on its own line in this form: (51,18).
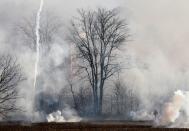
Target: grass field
(84,126)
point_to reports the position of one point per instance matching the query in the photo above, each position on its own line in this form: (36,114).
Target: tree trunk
(101,98)
(73,95)
(95,101)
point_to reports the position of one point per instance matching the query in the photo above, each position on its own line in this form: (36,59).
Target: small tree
(97,35)
(119,96)
(123,99)
(10,77)
(83,99)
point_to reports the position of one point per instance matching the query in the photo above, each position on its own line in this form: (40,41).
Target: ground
(84,126)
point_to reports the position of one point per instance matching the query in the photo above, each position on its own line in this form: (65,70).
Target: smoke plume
(37,41)
(175,113)
(158,50)
(66,115)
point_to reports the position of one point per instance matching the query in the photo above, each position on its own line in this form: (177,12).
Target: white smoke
(37,41)
(163,46)
(49,72)
(176,112)
(141,115)
(66,115)
(172,109)
(55,117)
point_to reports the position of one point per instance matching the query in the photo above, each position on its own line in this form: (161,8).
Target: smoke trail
(37,41)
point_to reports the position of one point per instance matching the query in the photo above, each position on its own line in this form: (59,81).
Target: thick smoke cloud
(158,46)
(51,67)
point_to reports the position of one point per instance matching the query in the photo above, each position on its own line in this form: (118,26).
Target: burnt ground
(85,126)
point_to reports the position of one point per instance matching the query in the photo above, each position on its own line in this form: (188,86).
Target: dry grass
(85,126)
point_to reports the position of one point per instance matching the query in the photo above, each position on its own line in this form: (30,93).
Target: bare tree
(83,99)
(119,96)
(73,94)
(10,77)
(50,33)
(49,29)
(97,35)
(124,100)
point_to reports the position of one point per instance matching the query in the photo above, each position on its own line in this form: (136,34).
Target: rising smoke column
(37,41)
(176,112)
(172,109)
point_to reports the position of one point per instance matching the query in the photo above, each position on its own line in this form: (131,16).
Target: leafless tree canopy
(10,77)
(49,28)
(123,99)
(97,35)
